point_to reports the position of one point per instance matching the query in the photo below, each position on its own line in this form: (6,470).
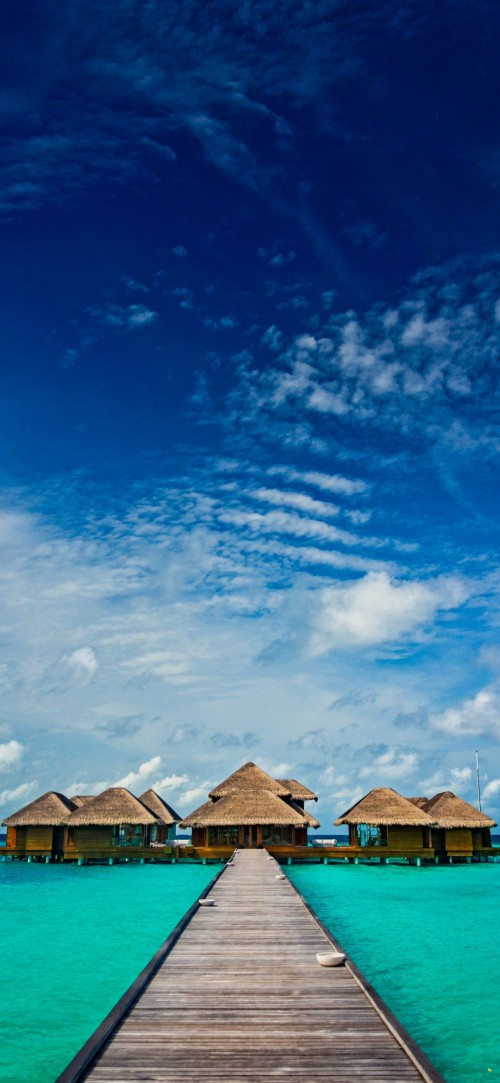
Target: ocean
(74,938)
(428,940)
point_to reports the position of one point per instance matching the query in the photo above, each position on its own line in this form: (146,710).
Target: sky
(250,417)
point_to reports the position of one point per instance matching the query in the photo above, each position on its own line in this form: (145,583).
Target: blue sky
(250,415)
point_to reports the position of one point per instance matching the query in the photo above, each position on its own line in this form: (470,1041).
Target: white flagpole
(478,784)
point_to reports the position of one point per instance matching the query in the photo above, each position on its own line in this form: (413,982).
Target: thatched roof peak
(384,806)
(159,808)
(113,806)
(448,810)
(297,791)
(246,807)
(49,810)
(249,777)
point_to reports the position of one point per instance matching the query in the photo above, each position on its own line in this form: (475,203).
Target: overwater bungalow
(114,825)
(385,823)
(442,828)
(458,830)
(251,809)
(37,829)
(111,823)
(166,816)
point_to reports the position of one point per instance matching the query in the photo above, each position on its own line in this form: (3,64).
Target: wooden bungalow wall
(30,838)
(406,838)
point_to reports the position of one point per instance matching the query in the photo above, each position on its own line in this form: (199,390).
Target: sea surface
(74,938)
(428,939)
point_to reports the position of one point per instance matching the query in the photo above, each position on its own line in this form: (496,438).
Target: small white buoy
(206,902)
(330,958)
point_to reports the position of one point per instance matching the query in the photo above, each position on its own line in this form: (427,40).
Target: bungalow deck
(238,995)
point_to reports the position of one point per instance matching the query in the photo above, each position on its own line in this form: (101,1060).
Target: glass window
(223,836)
(127,835)
(371,834)
(277,835)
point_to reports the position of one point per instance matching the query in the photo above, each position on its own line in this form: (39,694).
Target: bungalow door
(250,836)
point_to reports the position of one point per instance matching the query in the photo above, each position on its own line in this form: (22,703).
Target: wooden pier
(239,996)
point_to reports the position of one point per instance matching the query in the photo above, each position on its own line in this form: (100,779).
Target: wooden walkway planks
(241,998)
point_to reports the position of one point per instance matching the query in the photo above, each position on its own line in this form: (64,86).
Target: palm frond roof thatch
(307,818)
(49,810)
(159,808)
(448,810)
(260,806)
(384,806)
(297,791)
(113,806)
(249,777)
(419,801)
(79,799)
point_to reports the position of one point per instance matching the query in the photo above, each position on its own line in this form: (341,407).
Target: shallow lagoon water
(73,939)
(428,940)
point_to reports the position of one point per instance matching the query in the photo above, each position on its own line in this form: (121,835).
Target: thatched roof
(309,821)
(49,810)
(246,807)
(80,798)
(448,810)
(163,812)
(297,791)
(384,806)
(249,777)
(420,802)
(114,806)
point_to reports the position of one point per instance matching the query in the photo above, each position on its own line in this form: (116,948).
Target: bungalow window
(127,835)
(223,836)
(372,834)
(277,835)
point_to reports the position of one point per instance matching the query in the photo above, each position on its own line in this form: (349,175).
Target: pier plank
(240,997)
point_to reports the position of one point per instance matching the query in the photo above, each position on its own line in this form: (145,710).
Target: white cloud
(378,609)
(10,754)
(128,317)
(460,775)
(391,766)
(348,795)
(189,798)
(170,782)
(83,663)
(281,522)
(170,665)
(18,793)
(280,770)
(136,778)
(331,483)
(492,789)
(296,500)
(473,717)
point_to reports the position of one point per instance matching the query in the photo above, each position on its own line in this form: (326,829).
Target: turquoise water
(73,939)
(428,940)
